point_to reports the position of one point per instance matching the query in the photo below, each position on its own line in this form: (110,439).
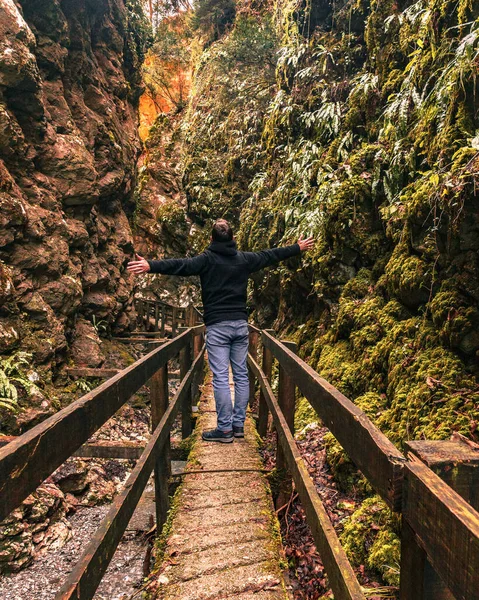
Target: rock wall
(367,139)
(162,227)
(357,144)
(68,151)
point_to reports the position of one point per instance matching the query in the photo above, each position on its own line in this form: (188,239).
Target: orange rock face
(175,77)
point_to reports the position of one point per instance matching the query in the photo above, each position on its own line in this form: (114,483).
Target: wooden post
(151,313)
(147,315)
(287,403)
(202,343)
(174,323)
(457,464)
(267,369)
(197,345)
(157,310)
(185,364)
(162,471)
(191,317)
(139,312)
(163,320)
(253,350)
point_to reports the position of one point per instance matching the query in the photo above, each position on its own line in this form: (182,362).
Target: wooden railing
(30,458)
(156,315)
(440,525)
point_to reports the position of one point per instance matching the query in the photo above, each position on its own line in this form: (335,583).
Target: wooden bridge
(435,487)
(158,316)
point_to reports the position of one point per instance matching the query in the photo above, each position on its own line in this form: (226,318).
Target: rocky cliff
(358,125)
(355,122)
(68,149)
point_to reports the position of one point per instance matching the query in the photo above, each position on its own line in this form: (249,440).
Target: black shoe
(238,432)
(216,435)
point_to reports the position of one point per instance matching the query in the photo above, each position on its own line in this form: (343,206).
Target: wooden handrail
(446,525)
(83,581)
(340,573)
(376,456)
(26,460)
(160,312)
(29,459)
(438,524)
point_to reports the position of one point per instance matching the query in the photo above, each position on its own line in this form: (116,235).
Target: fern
(8,393)
(12,374)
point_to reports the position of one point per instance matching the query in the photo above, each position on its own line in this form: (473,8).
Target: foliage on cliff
(366,139)
(357,125)
(167,66)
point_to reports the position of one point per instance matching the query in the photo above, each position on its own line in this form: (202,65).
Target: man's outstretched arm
(266,258)
(169,266)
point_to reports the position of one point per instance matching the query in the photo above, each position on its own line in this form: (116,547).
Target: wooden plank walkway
(224,540)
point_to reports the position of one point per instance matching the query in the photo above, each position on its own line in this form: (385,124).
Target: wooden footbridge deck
(435,487)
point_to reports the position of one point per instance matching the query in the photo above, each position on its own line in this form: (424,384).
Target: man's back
(224,283)
(224,273)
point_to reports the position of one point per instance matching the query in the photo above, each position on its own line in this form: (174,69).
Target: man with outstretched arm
(224,273)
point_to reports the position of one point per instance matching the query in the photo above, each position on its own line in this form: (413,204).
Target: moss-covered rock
(371,537)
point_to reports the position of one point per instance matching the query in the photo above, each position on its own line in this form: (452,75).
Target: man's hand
(306,244)
(140,265)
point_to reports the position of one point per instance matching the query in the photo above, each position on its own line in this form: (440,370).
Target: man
(224,273)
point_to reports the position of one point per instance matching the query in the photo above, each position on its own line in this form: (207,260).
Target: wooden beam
(341,576)
(138,340)
(197,347)
(174,320)
(110,449)
(85,577)
(28,460)
(376,456)
(253,350)
(287,404)
(159,405)
(263,406)
(149,334)
(446,526)
(87,372)
(163,320)
(198,330)
(457,464)
(124,450)
(186,412)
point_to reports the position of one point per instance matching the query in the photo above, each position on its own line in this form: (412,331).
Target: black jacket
(224,273)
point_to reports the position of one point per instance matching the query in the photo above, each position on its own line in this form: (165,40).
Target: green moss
(162,539)
(358,287)
(170,213)
(304,415)
(409,278)
(338,367)
(384,556)
(371,536)
(456,321)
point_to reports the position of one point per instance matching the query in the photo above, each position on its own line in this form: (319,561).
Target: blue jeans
(227,342)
